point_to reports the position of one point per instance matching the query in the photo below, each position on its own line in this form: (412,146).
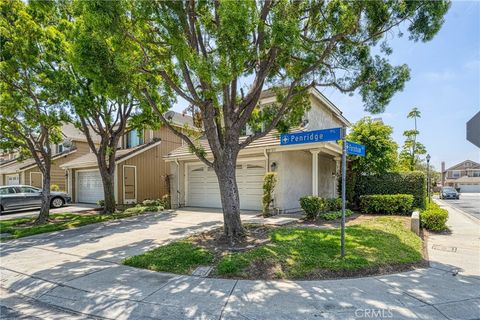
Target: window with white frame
(456,173)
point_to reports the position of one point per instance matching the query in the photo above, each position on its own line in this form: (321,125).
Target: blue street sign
(355,149)
(324,135)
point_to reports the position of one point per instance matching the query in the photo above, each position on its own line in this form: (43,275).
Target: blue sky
(444,85)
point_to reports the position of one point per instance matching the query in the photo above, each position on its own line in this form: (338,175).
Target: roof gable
(467,164)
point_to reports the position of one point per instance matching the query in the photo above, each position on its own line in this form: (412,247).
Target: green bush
(333,204)
(148,203)
(333,215)
(386,203)
(135,210)
(413,183)
(165,202)
(434,218)
(101,203)
(54,187)
(312,206)
(269,182)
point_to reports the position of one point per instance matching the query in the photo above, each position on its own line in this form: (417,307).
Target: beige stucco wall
(294,175)
(320,117)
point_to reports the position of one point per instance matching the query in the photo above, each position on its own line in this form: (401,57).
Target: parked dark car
(449,193)
(21,197)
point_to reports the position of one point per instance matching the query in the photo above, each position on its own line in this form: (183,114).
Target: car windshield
(449,189)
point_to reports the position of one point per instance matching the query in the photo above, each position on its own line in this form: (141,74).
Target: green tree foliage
(412,149)
(381,155)
(218,56)
(101,88)
(31,109)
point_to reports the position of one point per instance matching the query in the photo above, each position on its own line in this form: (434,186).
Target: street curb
(465,214)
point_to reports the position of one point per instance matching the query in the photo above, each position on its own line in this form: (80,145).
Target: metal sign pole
(344,175)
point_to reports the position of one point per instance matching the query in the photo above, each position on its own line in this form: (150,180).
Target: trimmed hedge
(386,203)
(315,206)
(413,183)
(434,218)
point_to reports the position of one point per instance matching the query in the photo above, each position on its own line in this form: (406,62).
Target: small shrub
(333,204)
(269,182)
(334,215)
(166,201)
(101,203)
(54,187)
(434,218)
(386,203)
(149,203)
(136,210)
(312,206)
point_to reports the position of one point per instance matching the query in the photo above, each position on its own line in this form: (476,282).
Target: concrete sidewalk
(77,273)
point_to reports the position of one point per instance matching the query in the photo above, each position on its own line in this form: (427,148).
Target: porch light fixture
(273,166)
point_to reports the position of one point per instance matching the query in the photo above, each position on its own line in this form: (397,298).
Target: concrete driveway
(77,274)
(70,208)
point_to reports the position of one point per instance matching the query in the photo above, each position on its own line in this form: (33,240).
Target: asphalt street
(468,203)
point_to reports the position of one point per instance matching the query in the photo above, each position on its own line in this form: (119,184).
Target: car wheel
(57,202)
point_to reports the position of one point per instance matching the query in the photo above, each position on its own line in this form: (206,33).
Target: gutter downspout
(178,183)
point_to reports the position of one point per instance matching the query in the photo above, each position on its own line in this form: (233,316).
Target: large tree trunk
(108,180)
(227,181)
(45,208)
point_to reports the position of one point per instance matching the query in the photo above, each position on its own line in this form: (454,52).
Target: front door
(36,179)
(129,184)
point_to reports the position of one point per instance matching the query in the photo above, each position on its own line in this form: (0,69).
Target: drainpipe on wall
(178,183)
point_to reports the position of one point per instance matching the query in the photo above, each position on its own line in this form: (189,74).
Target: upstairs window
(134,139)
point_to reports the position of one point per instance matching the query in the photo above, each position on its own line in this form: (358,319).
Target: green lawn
(296,253)
(178,257)
(21,227)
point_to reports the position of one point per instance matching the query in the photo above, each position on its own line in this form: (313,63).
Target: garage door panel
(89,187)
(203,189)
(469,187)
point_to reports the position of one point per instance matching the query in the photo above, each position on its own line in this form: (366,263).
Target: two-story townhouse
(26,171)
(141,172)
(302,169)
(464,176)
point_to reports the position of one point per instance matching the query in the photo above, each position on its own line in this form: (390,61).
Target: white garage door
(13,179)
(469,188)
(89,187)
(203,190)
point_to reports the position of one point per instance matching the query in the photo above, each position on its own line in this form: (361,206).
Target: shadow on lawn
(104,289)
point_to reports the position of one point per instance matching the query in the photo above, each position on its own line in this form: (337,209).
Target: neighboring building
(464,176)
(16,171)
(302,169)
(141,171)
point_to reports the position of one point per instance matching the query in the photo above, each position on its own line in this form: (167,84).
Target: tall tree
(381,155)
(99,93)
(31,110)
(218,56)
(409,156)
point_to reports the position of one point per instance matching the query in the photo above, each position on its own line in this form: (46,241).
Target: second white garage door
(203,190)
(89,187)
(469,188)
